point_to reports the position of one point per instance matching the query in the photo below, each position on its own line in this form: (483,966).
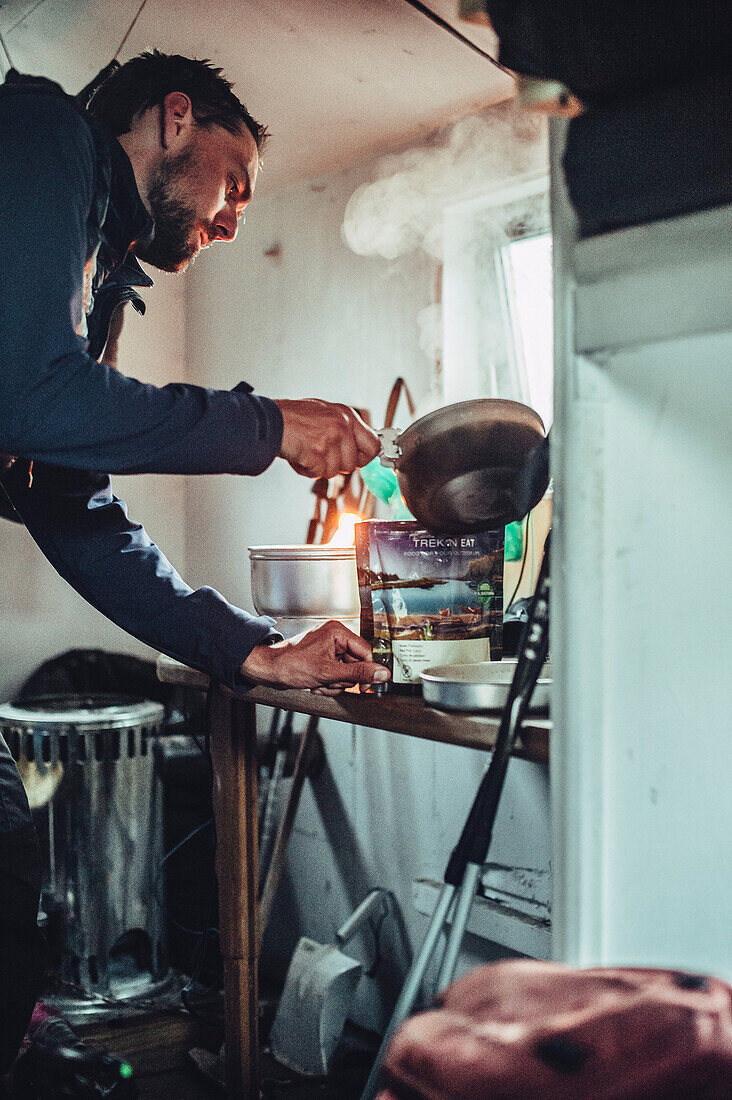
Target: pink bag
(527,1029)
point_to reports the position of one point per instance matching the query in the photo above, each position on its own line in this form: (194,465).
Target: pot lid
(51,712)
(302,553)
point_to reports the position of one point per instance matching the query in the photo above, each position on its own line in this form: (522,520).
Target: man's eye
(233,186)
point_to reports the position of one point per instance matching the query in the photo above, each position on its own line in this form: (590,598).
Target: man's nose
(226,224)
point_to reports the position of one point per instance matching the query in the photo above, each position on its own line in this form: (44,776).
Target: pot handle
(389,436)
(390,449)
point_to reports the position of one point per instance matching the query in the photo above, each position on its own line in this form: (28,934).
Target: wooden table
(233,738)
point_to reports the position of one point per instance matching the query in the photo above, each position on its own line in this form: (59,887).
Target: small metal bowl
(305,582)
(482,686)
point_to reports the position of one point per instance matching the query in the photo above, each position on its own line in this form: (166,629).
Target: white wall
(40,614)
(317,321)
(321,321)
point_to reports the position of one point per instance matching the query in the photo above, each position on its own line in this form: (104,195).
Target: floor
(180,1084)
(157,1046)
(187,1083)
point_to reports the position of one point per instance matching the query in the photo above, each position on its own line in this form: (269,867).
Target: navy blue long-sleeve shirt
(73,416)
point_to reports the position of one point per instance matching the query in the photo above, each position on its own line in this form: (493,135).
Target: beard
(174,243)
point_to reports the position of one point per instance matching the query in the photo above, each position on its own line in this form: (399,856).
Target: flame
(346,533)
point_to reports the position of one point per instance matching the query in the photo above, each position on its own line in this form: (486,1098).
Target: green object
(485,592)
(125,1069)
(379,480)
(514,545)
(397,505)
(384,484)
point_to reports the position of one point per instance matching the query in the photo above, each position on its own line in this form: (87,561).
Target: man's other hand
(326,660)
(320,439)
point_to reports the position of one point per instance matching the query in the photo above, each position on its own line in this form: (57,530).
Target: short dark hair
(144,81)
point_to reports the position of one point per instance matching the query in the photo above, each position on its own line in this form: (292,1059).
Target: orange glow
(346,533)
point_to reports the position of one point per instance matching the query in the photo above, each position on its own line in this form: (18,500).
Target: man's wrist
(257,665)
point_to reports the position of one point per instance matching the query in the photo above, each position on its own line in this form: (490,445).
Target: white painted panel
(641,758)
(647,856)
(669,693)
(655,303)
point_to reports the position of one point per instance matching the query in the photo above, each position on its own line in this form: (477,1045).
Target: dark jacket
(70,208)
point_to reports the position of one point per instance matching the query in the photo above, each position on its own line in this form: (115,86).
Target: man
(164,165)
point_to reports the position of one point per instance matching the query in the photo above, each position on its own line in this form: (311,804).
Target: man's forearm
(87,536)
(86,415)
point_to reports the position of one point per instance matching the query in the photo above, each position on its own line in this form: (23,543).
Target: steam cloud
(402,209)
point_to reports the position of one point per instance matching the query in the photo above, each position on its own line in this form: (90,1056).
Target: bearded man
(162,164)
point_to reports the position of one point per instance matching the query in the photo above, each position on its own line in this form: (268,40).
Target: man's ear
(176,120)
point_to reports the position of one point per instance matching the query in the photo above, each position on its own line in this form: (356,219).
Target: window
(527,271)
(497,298)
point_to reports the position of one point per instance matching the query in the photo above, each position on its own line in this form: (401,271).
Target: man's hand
(320,439)
(326,660)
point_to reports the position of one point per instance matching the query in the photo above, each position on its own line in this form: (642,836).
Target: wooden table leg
(233,753)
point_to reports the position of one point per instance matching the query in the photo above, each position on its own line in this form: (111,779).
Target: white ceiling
(335,80)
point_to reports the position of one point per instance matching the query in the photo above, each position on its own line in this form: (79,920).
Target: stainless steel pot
(459,466)
(305,582)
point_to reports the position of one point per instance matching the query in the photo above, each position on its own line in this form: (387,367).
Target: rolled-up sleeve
(86,534)
(57,404)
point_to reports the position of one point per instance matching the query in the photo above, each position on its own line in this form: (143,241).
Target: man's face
(198,195)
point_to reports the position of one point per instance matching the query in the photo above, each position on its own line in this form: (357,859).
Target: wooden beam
(233,753)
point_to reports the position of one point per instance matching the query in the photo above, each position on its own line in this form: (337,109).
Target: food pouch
(429,599)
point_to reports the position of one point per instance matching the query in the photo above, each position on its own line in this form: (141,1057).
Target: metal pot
(305,582)
(459,467)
